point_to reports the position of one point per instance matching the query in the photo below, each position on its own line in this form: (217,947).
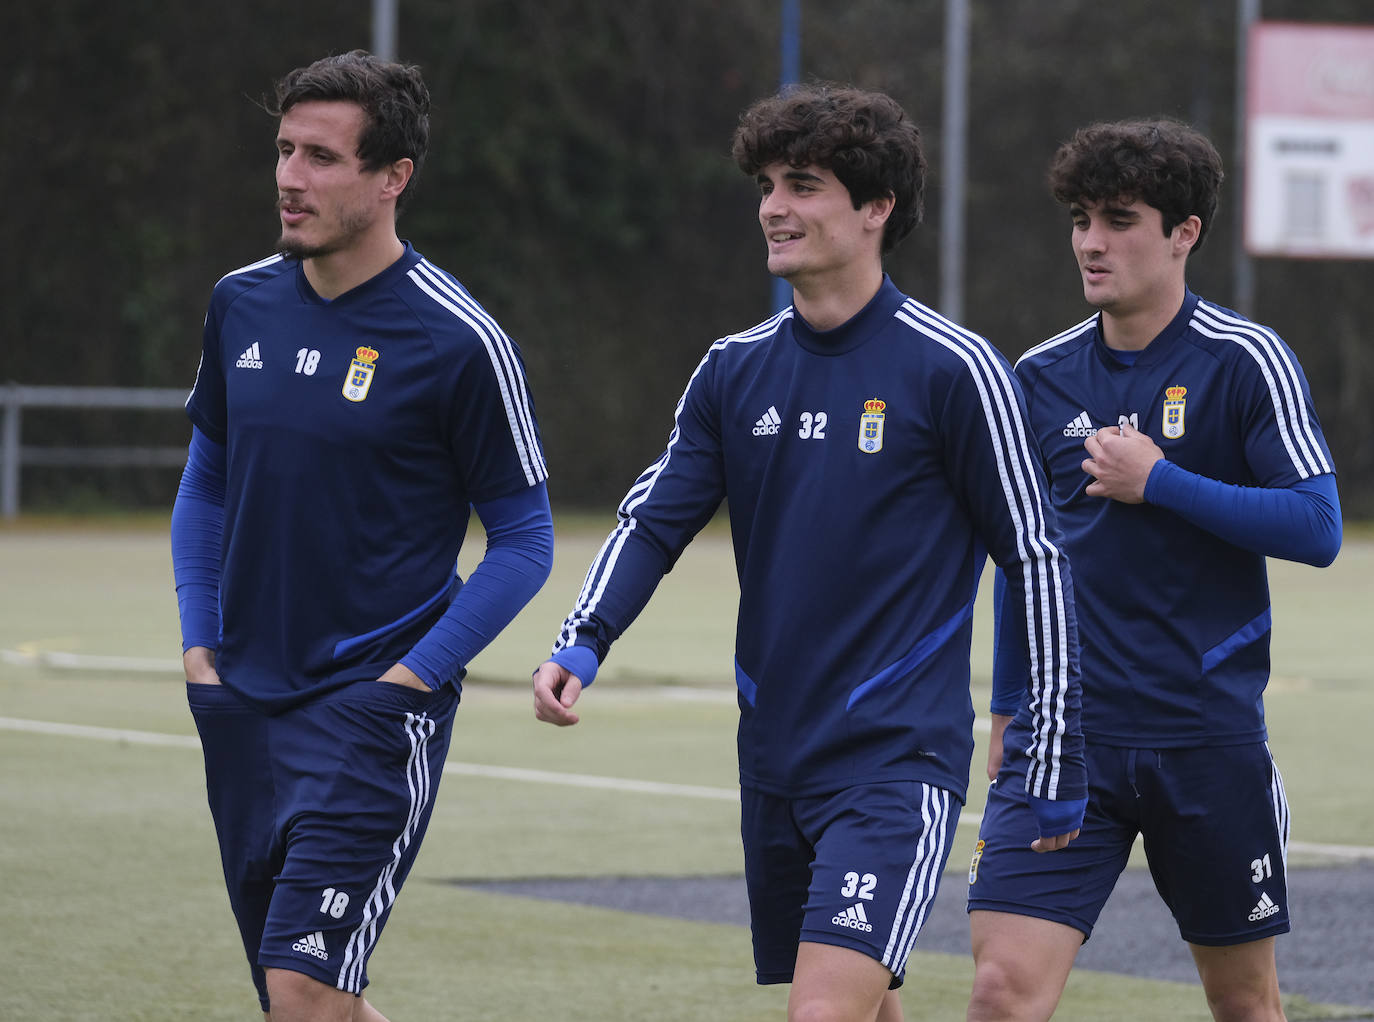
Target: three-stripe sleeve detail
(1282,378)
(1060,338)
(603,565)
(254,266)
(510,376)
(1045,599)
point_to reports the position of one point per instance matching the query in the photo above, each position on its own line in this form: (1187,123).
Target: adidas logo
(1264,909)
(250,359)
(1080,425)
(769,422)
(313,944)
(854,918)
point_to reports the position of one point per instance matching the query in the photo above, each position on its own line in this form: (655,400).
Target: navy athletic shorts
(858,868)
(319,812)
(1214,824)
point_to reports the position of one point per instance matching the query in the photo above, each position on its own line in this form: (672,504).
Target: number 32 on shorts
(859,887)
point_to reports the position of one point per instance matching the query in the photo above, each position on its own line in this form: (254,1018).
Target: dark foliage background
(580,185)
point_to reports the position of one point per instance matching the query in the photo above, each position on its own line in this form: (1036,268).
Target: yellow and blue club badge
(1174,402)
(360,371)
(977,858)
(871,426)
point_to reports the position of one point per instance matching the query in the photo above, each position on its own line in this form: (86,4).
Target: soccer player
(1203,456)
(872,452)
(353,402)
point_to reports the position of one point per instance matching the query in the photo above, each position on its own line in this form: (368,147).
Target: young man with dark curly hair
(1182,448)
(871,452)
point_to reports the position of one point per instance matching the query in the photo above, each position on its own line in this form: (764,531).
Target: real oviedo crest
(1174,402)
(360,371)
(871,426)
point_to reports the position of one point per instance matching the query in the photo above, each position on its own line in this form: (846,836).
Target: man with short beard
(353,401)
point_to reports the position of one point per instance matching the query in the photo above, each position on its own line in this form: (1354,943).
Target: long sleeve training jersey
(869,470)
(1175,619)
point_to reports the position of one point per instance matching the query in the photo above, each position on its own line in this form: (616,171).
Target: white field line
(27,657)
(1347,853)
(108,734)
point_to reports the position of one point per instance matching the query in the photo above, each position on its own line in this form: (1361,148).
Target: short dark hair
(1161,162)
(393,97)
(864,138)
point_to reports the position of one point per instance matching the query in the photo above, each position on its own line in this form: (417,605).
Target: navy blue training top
(357,433)
(868,469)
(1174,620)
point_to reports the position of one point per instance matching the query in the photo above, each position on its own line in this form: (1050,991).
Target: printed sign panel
(1310,141)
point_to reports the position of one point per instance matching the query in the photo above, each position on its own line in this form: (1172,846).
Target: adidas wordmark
(250,359)
(312,944)
(1264,909)
(854,918)
(1080,426)
(769,422)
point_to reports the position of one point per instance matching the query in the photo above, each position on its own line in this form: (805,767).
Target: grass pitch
(112,896)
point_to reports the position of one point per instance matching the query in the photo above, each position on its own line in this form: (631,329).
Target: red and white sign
(1310,141)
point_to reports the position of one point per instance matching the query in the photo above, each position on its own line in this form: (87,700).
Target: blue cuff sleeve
(1010,661)
(517,561)
(580,660)
(197,539)
(1301,522)
(1058,817)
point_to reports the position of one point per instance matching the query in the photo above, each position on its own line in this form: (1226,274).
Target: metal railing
(14,398)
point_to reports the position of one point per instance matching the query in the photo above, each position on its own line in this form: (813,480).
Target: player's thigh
(880,852)
(358,773)
(1068,886)
(834,982)
(1215,827)
(1021,964)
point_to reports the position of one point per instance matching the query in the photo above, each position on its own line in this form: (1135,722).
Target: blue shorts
(319,812)
(858,868)
(1214,823)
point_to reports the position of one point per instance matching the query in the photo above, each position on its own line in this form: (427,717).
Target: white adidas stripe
(1060,338)
(1282,378)
(1278,799)
(1044,595)
(922,879)
(419,729)
(510,378)
(603,564)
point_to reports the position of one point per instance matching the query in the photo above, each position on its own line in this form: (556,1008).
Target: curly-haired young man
(871,452)
(1203,456)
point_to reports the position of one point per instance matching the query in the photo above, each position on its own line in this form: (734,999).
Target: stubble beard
(352,225)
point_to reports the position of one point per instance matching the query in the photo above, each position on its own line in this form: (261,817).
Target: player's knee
(1245,1005)
(296,997)
(821,1007)
(811,1009)
(1002,994)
